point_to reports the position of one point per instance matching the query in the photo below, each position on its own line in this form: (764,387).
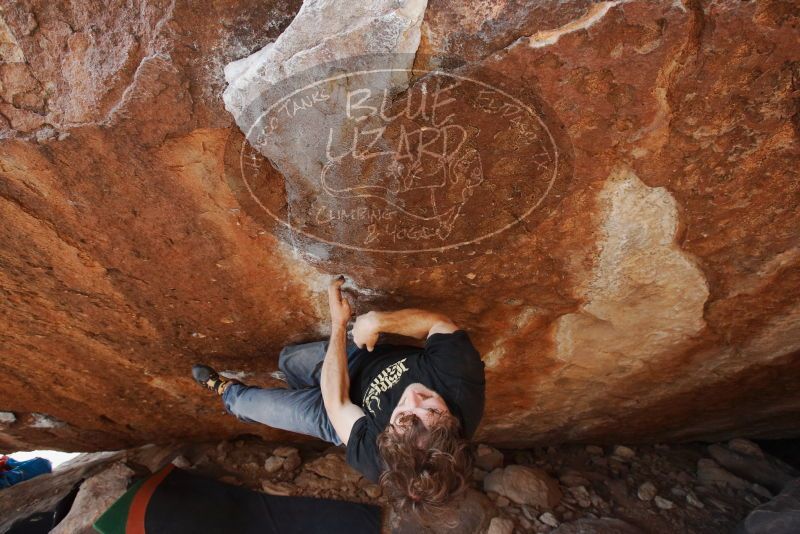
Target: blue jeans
(19,471)
(298,408)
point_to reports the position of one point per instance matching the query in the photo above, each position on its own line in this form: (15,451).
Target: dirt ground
(596,482)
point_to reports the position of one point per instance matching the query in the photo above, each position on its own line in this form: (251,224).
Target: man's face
(420,401)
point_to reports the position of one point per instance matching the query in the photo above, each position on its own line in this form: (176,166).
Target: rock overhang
(643,299)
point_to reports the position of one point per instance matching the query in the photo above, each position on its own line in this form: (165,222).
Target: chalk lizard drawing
(442,163)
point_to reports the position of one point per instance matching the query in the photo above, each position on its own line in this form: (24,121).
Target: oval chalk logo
(392,160)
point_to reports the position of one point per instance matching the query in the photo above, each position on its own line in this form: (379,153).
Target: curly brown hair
(427,468)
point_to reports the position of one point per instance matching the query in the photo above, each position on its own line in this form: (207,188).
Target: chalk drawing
(426,170)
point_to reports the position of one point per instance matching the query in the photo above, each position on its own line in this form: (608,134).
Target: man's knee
(286,355)
(302,358)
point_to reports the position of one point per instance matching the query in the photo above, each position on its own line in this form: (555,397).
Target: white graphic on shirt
(385,380)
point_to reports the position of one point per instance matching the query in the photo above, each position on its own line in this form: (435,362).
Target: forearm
(410,322)
(334,379)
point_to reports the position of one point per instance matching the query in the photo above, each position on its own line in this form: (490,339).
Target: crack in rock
(596,12)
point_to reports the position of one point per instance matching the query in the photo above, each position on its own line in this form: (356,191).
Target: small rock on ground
(745,446)
(581,495)
(273,464)
(181,462)
(292,462)
(692,499)
(285,452)
(549,519)
(709,472)
(488,458)
(499,525)
(664,504)
(624,453)
(524,485)
(571,479)
(761,491)
(276,488)
(333,467)
(647,491)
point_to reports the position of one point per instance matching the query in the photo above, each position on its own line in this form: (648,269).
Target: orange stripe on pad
(135,523)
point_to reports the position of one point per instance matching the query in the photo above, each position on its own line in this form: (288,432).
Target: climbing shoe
(209,379)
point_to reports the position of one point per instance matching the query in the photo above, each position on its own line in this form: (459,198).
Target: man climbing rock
(404,413)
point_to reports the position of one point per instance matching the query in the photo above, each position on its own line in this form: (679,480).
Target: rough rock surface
(29,497)
(650,292)
(43,493)
(93,499)
(488,458)
(524,485)
(609,486)
(499,525)
(770,473)
(781,515)
(709,472)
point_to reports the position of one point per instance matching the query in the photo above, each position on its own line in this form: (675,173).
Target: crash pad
(179,502)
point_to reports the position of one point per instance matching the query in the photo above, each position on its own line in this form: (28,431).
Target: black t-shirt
(449,365)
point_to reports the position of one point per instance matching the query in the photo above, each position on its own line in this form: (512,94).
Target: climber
(404,413)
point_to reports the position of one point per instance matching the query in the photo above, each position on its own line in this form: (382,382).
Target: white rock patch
(41,420)
(7,418)
(325,31)
(646,295)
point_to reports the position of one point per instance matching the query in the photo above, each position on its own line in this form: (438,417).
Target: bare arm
(410,322)
(334,379)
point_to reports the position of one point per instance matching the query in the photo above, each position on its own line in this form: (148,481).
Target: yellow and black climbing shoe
(209,379)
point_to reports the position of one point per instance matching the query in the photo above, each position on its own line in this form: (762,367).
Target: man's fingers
(363,343)
(334,288)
